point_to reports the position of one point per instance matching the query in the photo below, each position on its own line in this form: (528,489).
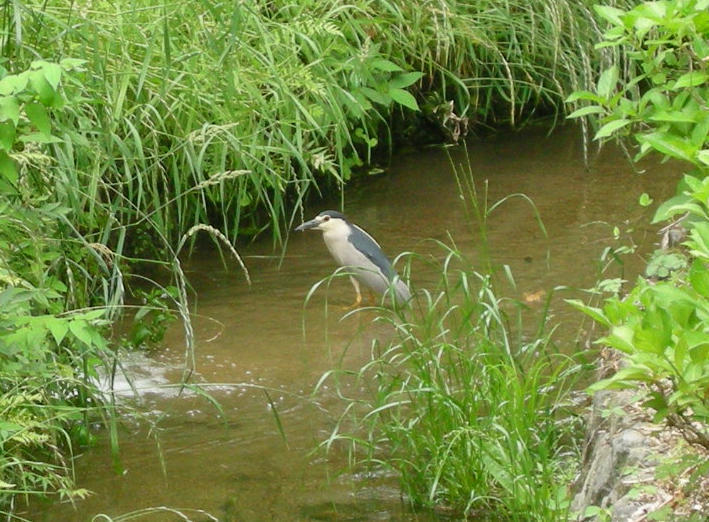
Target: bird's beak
(308,225)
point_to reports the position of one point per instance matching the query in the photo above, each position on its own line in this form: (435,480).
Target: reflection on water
(231,460)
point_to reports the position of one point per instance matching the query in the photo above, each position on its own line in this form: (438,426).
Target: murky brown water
(238,467)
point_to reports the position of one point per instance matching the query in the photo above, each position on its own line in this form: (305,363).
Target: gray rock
(617,446)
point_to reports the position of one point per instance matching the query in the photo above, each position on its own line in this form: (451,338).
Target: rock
(618,445)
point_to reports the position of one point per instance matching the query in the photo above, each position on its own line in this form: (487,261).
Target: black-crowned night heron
(353,248)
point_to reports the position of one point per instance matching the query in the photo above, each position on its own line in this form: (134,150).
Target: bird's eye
(326,218)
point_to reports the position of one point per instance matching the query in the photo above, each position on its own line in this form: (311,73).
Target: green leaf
(674,117)
(595,313)
(14,83)
(607,82)
(375,96)
(37,114)
(404,98)
(58,328)
(404,80)
(53,74)
(699,277)
(691,79)
(670,208)
(645,200)
(610,127)
(621,338)
(42,87)
(632,373)
(703,156)
(610,14)
(669,145)
(606,384)
(8,171)
(9,109)
(584,95)
(80,329)
(40,137)
(385,65)
(585,111)
(7,135)
(71,63)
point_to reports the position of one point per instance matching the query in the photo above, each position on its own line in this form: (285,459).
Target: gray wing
(366,244)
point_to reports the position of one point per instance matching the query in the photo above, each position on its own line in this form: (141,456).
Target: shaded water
(238,466)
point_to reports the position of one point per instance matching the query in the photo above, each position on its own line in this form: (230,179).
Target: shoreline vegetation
(127,128)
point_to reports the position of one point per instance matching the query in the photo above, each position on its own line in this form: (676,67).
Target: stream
(232,460)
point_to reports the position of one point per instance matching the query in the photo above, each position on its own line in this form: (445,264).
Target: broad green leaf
(58,328)
(362,101)
(404,98)
(701,45)
(610,127)
(81,330)
(8,170)
(595,313)
(404,80)
(7,135)
(71,63)
(584,95)
(9,109)
(691,79)
(37,114)
(606,384)
(633,373)
(673,116)
(375,96)
(703,156)
(621,338)
(585,111)
(39,137)
(41,86)
(53,74)
(610,14)
(607,82)
(670,208)
(385,65)
(699,277)
(669,145)
(699,239)
(13,84)
(92,315)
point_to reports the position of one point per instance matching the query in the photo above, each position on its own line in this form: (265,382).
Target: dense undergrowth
(127,127)
(660,323)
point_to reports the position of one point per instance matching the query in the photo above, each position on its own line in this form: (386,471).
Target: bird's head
(328,220)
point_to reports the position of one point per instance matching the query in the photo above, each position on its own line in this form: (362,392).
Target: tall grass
(469,403)
(294,94)
(468,411)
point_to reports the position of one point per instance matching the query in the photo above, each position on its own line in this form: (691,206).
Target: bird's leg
(358,299)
